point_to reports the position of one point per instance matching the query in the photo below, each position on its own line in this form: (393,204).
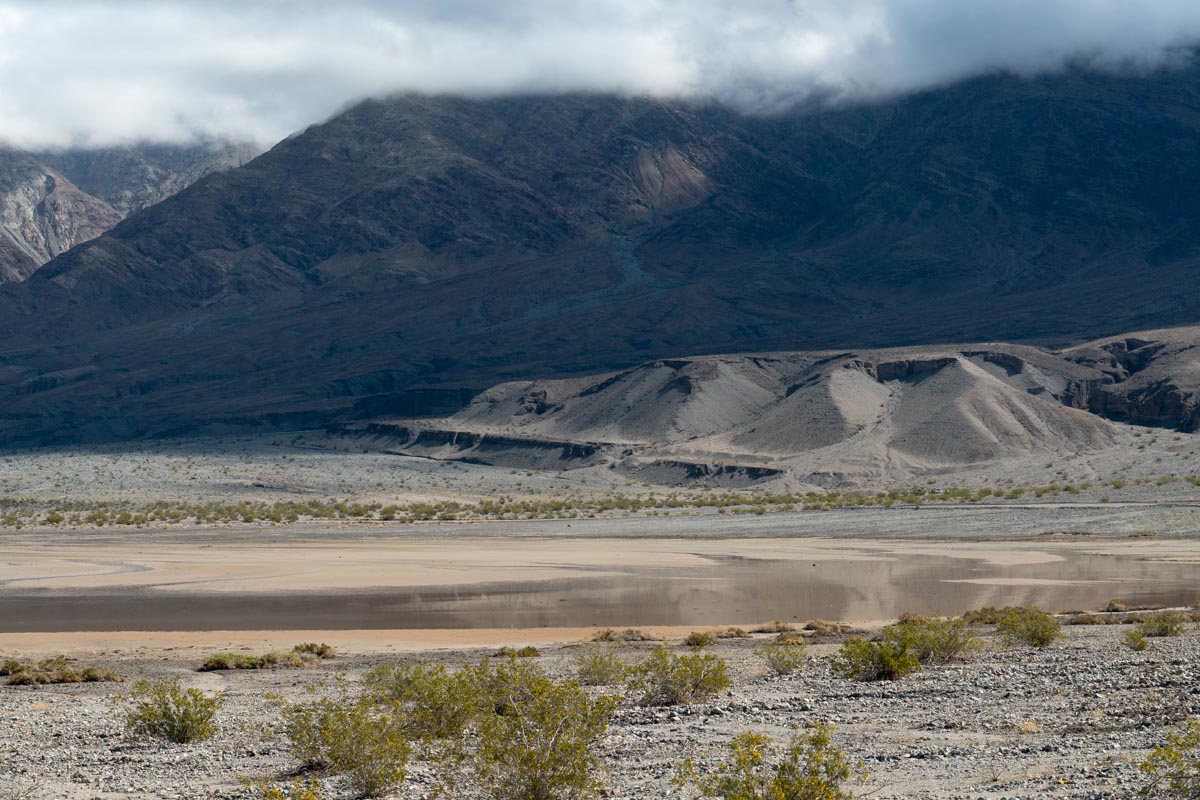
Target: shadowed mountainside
(413,247)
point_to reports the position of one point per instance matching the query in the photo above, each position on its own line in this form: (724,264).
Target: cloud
(105,71)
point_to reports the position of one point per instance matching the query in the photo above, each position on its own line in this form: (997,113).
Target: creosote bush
(810,768)
(1028,626)
(698,640)
(350,735)
(782,659)
(540,741)
(54,671)
(1162,623)
(666,679)
(627,635)
(1135,640)
(528,651)
(166,710)
(302,655)
(300,789)
(599,665)
(1173,768)
(431,701)
(931,641)
(863,660)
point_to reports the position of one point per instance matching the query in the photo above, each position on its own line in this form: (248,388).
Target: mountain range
(414,251)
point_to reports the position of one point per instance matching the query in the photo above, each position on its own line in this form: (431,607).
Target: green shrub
(1174,766)
(782,659)
(528,651)
(627,635)
(351,736)
(431,702)
(1135,640)
(666,679)
(597,665)
(862,660)
(54,670)
(698,640)
(300,789)
(541,743)
(811,768)
(1028,626)
(931,641)
(166,710)
(1162,623)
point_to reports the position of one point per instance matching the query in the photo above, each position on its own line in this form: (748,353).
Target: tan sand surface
(410,562)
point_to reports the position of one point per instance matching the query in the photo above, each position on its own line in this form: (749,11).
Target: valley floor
(1069,721)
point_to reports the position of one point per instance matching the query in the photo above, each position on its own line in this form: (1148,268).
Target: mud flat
(565,575)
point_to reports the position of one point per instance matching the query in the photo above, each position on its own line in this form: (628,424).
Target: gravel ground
(1070,721)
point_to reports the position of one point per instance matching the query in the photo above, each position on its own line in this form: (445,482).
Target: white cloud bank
(105,71)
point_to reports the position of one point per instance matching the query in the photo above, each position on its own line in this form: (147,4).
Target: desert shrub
(1174,766)
(775,626)
(862,660)
(1116,605)
(300,789)
(352,736)
(987,615)
(597,665)
(666,679)
(697,640)
(54,671)
(302,655)
(823,628)
(733,632)
(789,637)
(430,701)
(167,710)
(811,768)
(541,742)
(1029,626)
(782,659)
(1135,640)
(627,635)
(931,641)
(1162,623)
(318,649)
(528,651)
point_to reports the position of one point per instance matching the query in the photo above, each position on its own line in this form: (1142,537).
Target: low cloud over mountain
(101,71)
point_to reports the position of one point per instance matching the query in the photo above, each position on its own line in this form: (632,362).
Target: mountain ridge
(437,244)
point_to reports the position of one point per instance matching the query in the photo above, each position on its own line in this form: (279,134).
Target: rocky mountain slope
(50,202)
(132,177)
(413,250)
(42,214)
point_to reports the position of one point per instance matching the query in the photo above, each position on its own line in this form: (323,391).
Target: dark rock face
(452,243)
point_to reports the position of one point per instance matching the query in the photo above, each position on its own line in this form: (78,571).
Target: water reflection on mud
(724,590)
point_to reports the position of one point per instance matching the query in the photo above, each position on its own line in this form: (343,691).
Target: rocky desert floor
(1069,721)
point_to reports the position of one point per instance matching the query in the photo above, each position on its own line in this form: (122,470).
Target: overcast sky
(103,71)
